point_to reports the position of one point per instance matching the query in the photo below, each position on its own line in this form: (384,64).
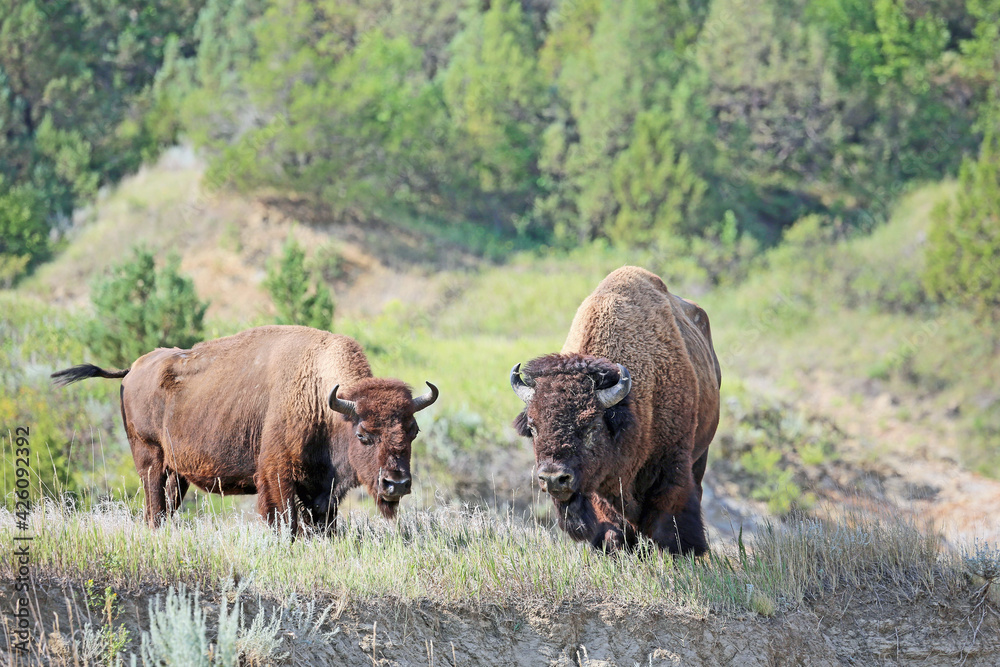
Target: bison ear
(521,424)
(618,419)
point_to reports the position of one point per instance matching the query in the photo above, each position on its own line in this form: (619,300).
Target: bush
(298,302)
(24,232)
(963,253)
(139,308)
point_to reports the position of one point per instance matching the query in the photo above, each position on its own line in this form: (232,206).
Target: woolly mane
(383,398)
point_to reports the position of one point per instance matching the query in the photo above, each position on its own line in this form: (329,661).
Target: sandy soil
(858,629)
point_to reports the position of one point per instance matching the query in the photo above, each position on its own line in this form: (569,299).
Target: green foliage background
(75,95)
(561,121)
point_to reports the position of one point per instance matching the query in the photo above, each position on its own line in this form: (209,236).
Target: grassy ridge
(472,555)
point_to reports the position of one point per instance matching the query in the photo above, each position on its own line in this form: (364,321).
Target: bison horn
(422,401)
(341,405)
(614,395)
(523,390)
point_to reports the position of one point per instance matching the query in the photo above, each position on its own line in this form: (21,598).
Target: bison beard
(579,518)
(387,507)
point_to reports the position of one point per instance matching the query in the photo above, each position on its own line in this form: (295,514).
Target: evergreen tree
(139,308)
(495,96)
(610,62)
(336,110)
(298,301)
(24,236)
(776,110)
(908,115)
(74,89)
(655,186)
(203,92)
(963,252)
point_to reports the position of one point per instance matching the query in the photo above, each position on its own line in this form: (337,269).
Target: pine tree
(495,94)
(74,79)
(139,308)
(297,300)
(657,190)
(24,234)
(963,252)
(611,62)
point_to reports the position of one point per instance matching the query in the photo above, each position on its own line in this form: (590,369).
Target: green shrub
(74,446)
(138,308)
(48,471)
(772,450)
(963,253)
(298,300)
(179,635)
(24,231)
(771,482)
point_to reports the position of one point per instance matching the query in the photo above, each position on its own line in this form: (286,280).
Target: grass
(449,555)
(492,568)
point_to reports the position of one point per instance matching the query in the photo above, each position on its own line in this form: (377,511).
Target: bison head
(382,415)
(576,408)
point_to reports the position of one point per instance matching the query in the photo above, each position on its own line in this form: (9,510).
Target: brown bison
(290,413)
(622,418)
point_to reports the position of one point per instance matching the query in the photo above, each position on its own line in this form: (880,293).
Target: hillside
(828,344)
(445,182)
(847,398)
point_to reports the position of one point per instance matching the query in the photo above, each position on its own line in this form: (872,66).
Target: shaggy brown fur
(637,466)
(250,413)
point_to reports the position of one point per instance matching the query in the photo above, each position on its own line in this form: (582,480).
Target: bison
(290,413)
(622,418)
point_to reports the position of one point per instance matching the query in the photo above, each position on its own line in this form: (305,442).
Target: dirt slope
(857,629)
(226,242)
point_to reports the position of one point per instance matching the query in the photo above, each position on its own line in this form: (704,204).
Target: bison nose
(558,482)
(395,488)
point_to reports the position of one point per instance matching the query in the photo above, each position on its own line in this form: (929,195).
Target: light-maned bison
(289,413)
(622,418)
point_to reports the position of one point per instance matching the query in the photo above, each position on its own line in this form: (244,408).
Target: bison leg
(276,501)
(325,522)
(592,518)
(148,459)
(176,488)
(698,472)
(680,533)
(319,501)
(613,532)
(321,512)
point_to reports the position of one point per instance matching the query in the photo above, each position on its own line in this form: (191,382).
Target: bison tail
(84,371)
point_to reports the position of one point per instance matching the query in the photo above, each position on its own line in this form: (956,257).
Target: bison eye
(365,438)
